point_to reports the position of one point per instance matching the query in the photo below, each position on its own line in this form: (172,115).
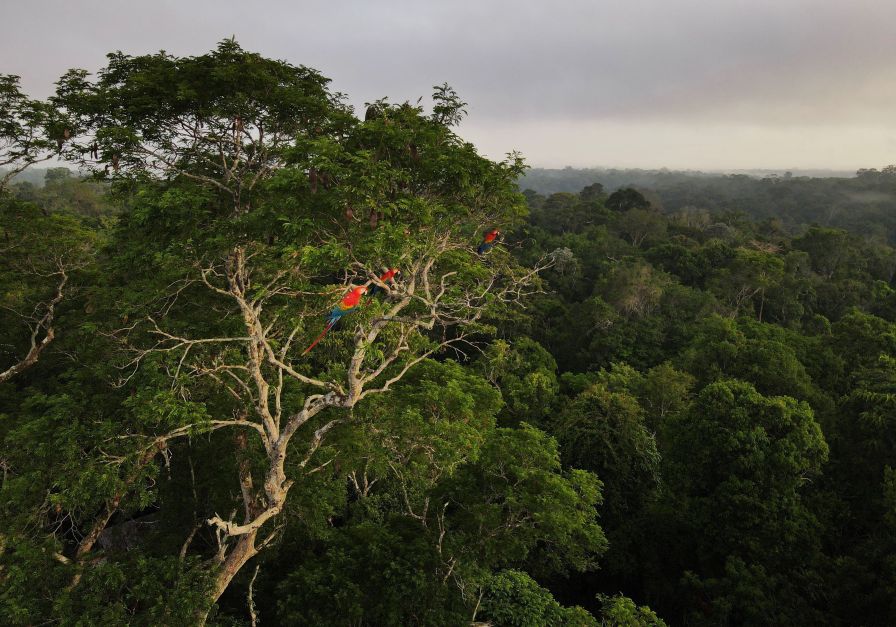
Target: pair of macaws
(351,301)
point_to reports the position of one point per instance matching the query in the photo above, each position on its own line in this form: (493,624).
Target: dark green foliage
(515,505)
(370,574)
(120,589)
(137,591)
(526,374)
(738,466)
(513,599)
(621,611)
(757,525)
(603,431)
(623,200)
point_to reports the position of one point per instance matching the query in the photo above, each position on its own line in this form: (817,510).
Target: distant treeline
(35,176)
(568,179)
(864,203)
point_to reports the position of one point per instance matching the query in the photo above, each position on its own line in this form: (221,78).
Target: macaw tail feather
(374,290)
(320,337)
(483,248)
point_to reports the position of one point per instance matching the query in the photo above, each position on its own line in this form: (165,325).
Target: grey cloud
(678,63)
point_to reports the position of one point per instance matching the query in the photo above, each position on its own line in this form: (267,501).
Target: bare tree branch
(44,324)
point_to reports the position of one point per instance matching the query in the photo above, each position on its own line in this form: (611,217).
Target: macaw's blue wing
(336,314)
(484,247)
(339,311)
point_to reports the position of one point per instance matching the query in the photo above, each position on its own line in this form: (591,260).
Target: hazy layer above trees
(35,176)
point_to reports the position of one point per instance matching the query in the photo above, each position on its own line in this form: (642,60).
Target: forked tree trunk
(239,555)
(276,488)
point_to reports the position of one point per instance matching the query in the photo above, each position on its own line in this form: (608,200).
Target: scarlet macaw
(488,242)
(348,304)
(386,277)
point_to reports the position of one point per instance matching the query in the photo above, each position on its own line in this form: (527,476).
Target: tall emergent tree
(256,201)
(738,464)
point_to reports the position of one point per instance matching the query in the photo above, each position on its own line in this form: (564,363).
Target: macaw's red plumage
(385,277)
(489,241)
(351,300)
(348,304)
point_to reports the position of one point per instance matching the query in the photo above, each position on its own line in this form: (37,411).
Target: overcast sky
(704,84)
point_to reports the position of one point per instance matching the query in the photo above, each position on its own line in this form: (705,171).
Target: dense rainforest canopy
(626,412)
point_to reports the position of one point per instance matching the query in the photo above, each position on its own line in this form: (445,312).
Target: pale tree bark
(253,614)
(745,294)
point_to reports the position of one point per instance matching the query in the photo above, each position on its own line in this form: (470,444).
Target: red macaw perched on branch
(348,304)
(489,241)
(385,278)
